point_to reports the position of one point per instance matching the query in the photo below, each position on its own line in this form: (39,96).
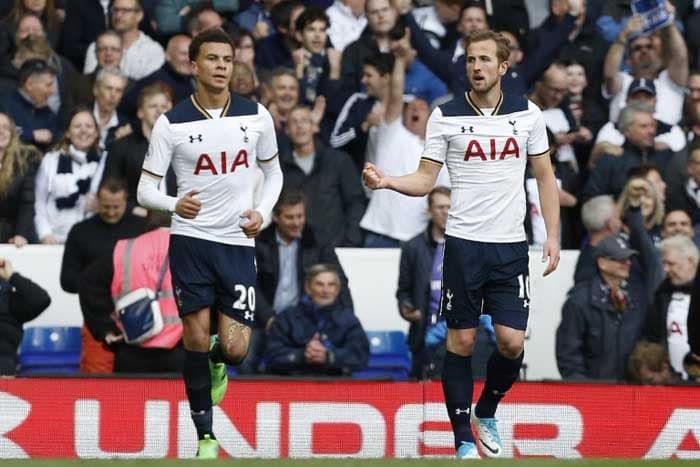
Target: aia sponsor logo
(221,165)
(475,151)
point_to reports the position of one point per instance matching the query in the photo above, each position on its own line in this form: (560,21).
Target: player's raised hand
(251,222)
(373,177)
(550,250)
(188,207)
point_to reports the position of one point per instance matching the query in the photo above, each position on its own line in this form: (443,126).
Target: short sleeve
(266,148)
(537,142)
(435,139)
(160,149)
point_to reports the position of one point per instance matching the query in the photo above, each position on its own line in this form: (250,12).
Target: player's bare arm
(418,183)
(549,199)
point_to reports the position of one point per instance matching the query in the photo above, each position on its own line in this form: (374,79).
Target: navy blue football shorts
(479,277)
(213,275)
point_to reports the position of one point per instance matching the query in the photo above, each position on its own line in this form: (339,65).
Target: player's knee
(235,352)
(461,343)
(196,339)
(511,349)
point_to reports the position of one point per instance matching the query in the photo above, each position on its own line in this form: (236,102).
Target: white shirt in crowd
(677,330)
(558,123)
(486,154)
(675,138)
(669,98)
(539,229)
(429,22)
(138,61)
(345,27)
(396,151)
(113,121)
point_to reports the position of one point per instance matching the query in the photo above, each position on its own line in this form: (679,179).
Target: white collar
(113,119)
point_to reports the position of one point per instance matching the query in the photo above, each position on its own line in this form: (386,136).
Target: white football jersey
(486,157)
(217,156)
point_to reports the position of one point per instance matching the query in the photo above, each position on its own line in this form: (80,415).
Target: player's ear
(503,67)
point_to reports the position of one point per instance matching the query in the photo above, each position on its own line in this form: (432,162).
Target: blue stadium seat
(389,356)
(46,350)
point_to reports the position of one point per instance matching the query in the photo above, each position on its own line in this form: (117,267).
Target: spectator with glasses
(142,55)
(645,61)
(108,53)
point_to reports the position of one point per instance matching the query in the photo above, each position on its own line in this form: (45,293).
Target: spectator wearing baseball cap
(603,316)
(610,139)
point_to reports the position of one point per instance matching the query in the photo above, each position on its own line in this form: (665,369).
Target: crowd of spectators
(82,83)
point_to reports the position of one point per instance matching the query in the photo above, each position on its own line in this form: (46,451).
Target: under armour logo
(449,295)
(195,138)
(526,303)
(471,129)
(462,411)
(512,123)
(245,135)
(249,315)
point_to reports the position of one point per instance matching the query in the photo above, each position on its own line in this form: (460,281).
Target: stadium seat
(389,356)
(50,350)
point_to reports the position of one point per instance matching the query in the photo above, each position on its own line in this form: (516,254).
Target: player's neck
(486,100)
(211,100)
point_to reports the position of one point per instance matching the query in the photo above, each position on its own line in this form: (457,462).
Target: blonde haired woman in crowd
(18,166)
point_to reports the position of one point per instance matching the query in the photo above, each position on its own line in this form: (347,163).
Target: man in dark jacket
(176,74)
(88,241)
(686,196)
(602,317)
(284,252)
(381,20)
(609,176)
(328,178)
(276,49)
(94,237)
(28,105)
(84,21)
(125,157)
(21,300)
(318,336)
(667,323)
(420,282)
